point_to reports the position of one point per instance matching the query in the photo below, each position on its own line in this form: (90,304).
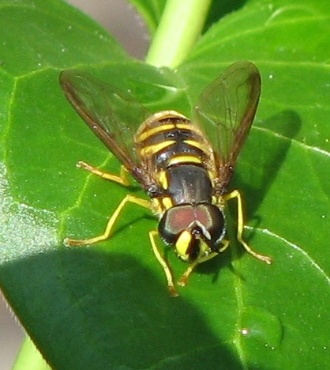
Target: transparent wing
(113,116)
(225,112)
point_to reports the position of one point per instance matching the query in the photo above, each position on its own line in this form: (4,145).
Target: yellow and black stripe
(179,155)
(169,138)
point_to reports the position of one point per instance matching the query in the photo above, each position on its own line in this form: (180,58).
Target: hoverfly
(184,166)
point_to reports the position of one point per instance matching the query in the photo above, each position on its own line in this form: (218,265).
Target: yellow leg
(240,226)
(225,243)
(184,278)
(122,179)
(128,199)
(163,263)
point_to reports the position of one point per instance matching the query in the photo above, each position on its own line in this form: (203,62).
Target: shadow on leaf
(87,309)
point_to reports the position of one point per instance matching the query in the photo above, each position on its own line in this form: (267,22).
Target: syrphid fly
(183,165)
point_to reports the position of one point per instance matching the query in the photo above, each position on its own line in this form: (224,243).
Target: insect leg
(240,226)
(225,243)
(128,199)
(184,278)
(122,179)
(164,264)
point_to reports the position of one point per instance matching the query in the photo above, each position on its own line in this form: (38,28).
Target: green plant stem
(29,357)
(180,26)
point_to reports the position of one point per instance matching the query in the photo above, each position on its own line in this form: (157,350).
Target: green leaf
(107,306)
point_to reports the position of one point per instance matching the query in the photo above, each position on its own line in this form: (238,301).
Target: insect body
(184,166)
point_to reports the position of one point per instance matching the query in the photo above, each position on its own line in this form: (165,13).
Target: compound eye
(174,221)
(213,220)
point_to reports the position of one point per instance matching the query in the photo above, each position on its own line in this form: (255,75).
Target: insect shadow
(269,147)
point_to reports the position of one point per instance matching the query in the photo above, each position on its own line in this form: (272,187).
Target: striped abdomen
(168,138)
(174,149)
